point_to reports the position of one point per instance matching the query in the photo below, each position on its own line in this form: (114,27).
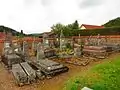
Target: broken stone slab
(86,88)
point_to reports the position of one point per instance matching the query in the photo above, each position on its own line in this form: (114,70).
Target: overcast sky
(36,16)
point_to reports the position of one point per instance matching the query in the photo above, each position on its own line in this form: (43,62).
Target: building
(86,26)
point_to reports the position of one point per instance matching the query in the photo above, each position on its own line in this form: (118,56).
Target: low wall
(104,39)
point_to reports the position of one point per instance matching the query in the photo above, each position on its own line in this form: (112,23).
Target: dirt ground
(56,83)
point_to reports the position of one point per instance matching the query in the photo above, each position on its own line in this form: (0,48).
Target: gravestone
(62,41)
(9,57)
(40,51)
(16,47)
(25,47)
(98,39)
(77,52)
(26,50)
(45,41)
(90,40)
(34,45)
(7,42)
(52,44)
(79,39)
(8,50)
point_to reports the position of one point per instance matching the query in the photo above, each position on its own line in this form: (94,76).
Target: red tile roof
(91,26)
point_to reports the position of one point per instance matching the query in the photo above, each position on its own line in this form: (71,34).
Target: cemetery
(41,60)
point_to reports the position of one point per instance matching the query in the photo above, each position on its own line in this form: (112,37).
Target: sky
(37,16)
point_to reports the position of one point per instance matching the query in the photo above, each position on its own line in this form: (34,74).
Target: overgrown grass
(105,76)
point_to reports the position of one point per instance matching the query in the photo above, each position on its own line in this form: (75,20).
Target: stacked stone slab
(23,73)
(50,68)
(96,51)
(12,59)
(113,47)
(19,74)
(49,53)
(9,57)
(31,74)
(39,74)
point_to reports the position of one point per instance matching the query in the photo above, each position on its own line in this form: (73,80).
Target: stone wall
(103,39)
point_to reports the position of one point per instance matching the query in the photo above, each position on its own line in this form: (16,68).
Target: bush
(103,31)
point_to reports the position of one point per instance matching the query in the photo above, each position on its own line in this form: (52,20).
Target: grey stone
(19,74)
(25,48)
(77,52)
(40,52)
(31,74)
(45,41)
(62,41)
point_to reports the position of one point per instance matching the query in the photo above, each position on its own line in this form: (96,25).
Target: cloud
(47,2)
(37,16)
(90,3)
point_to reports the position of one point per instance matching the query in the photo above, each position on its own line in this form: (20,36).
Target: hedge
(103,31)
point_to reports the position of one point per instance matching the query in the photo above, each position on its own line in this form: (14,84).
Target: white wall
(82,27)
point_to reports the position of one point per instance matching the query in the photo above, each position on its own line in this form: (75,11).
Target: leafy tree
(75,25)
(57,28)
(113,23)
(68,30)
(21,32)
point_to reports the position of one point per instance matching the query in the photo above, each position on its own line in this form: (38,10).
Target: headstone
(8,51)
(98,39)
(45,41)
(25,48)
(16,47)
(90,40)
(62,41)
(7,42)
(79,40)
(52,44)
(77,52)
(40,52)
(72,44)
(34,45)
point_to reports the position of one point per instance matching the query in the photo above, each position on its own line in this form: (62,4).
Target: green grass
(105,76)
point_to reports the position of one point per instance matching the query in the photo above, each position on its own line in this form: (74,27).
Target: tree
(75,25)
(113,23)
(68,30)
(57,28)
(21,32)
